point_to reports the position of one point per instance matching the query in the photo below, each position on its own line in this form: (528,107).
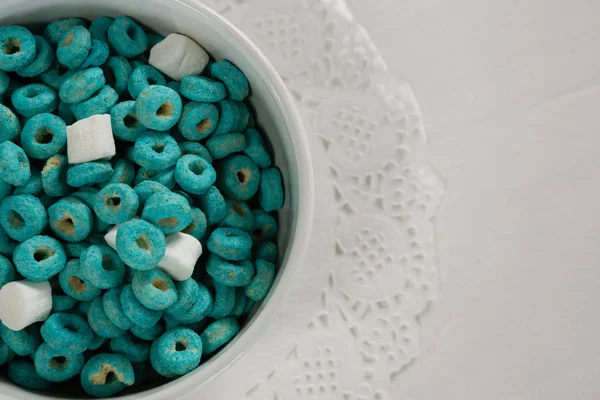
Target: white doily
(350,322)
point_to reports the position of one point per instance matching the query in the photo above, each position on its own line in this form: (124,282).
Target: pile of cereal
(123,155)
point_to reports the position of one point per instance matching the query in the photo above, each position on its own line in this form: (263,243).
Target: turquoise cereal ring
(151,333)
(156,363)
(256,148)
(113,308)
(218,334)
(262,281)
(194,174)
(198,120)
(140,244)
(265,226)
(231,244)
(200,88)
(158,107)
(134,350)
(229,117)
(179,350)
(238,177)
(9,124)
(142,77)
(170,212)
(73,283)
(117,71)
(136,312)
(196,149)
(70,219)
(98,54)
(105,375)
(116,203)
(99,28)
(56,366)
(266,251)
(239,215)
(155,150)
(74,250)
(67,333)
(43,60)
(234,80)
(56,29)
(54,176)
(64,112)
(22,217)
(18,48)
(39,258)
(14,164)
(165,177)
(102,267)
(23,374)
(124,122)
(229,273)
(196,228)
(23,342)
(74,47)
(81,85)
(201,308)
(89,173)
(244,117)
(127,37)
(62,303)
(270,192)
(221,146)
(43,136)
(33,99)
(187,293)
(123,172)
(146,189)
(7,271)
(101,103)
(100,323)
(240,303)
(154,289)
(212,203)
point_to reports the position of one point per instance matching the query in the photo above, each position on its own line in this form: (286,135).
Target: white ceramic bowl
(278,120)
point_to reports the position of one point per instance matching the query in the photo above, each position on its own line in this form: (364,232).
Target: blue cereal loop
(56,366)
(196,149)
(230,243)
(67,333)
(212,203)
(262,281)
(239,215)
(100,323)
(127,37)
(113,308)
(198,120)
(43,136)
(70,219)
(270,192)
(194,174)
(23,342)
(73,283)
(230,273)
(99,28)
(39,258)
(89,173)
(74,46)
(218,334)
(169,211)
(154,289)
(117,71)
(238,177)
(155,150)
(43,59)
(95,379)
(140,244)
(18,48)
(200,88)
(81,85)
(23,217)
(266,251)
(229,117)
(14,164)
(221,146)
(151,333)
(116,203)
(56,29)
(235,81)
(102,267)
(123,172)
(134,350)
(196,228)
(265,226)
(33,185)
(10,127)
(62,303)
(137,313)
(124,122)
(158,107)
(54,176)
(146,189)
(98,54)
(23,374)
(142,77)
(179,350)
(33,99)
(100,103)
(256,148)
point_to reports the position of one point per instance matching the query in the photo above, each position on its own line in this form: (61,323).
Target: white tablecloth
(509,92)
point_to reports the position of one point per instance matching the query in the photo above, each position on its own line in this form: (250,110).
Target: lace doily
(350,323)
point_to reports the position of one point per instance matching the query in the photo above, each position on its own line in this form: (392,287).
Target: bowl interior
(276,117)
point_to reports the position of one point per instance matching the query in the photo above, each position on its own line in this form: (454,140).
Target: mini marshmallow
(111,237)
(183,251)
(90,139)
(178,56)
(24,303)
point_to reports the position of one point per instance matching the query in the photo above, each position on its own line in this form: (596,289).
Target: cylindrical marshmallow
(183,251)
(178,56)
(90,139)
(23,303)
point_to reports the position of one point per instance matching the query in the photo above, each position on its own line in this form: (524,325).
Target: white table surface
(510,93)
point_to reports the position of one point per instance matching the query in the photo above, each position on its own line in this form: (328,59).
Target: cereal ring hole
(107,263)
(197,168)
(243,176)
(131,32)
(258,234)
(158,148)
(15,219)
(44,136)
(71,328)
(189,228)
(143,244)
(204,125)
(66,225)
(68,40)
(43,253)
(106,376)
(59,362)
(180,346)
(166,110)
(112,201)
(32,92)
(77,284)
(12,46)
(130,121)
(160,284)
(109,77)
(238,209)
(170,222)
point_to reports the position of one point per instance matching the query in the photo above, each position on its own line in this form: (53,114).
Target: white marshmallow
(183,251)
(90,139)
(178,56)
(23,303)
